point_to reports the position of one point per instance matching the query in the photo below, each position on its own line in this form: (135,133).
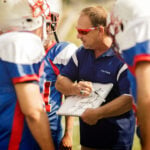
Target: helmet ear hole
(122,26)
(29,20)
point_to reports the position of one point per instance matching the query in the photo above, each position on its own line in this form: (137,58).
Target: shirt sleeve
(71,69)
(122,79)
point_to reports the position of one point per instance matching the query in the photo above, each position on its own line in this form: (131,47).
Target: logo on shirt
(105,71)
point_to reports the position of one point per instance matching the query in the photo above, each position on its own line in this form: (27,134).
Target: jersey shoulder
(61,52)
(21,48)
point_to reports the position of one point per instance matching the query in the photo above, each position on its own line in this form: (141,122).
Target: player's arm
(68,133)
(31,105)
(118,106)
(143,89)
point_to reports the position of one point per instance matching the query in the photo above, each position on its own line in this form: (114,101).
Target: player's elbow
(34,114)
(128,102)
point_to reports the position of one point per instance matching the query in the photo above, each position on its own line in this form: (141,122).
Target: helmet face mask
(54,20)
(55,10)
(52,24)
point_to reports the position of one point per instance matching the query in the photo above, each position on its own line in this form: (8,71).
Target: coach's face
(86,32)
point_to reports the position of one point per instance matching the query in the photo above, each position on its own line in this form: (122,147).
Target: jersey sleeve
(64,52)
(71,69)
(122,79)
(135,45)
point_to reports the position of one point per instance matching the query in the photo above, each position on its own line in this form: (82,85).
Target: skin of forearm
(143,87)
(69,125)
(144,121)
(40,130)
(67,138)
(116,107)
(30,102)
(65,86)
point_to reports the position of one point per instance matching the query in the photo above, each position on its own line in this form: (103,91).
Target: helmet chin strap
(55,34)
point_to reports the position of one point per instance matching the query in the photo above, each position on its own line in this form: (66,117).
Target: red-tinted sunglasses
(85,31)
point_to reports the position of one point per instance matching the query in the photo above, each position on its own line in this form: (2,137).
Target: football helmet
(125,15)
(22,15)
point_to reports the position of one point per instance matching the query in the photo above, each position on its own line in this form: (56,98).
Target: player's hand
(66,143)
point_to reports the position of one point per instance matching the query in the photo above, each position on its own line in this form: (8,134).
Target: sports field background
(67,32)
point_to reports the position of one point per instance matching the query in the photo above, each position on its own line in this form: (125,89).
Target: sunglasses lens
(83,32)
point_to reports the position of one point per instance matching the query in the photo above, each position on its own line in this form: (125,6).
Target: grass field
(76,138)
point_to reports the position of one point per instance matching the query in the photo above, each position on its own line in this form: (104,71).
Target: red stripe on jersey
(17,129)
(138,58)
(131,68)
(134,107)
(141,57)
(46,91)
(33,77)
(55,69)
(48,107)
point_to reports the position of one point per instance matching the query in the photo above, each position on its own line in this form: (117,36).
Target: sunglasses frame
(85,31)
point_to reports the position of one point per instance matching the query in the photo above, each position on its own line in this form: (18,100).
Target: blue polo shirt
(114,132)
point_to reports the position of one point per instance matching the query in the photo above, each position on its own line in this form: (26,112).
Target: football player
(57,56)
(23,121)
(129,25)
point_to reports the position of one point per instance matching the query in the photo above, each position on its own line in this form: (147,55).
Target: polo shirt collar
(108,53)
